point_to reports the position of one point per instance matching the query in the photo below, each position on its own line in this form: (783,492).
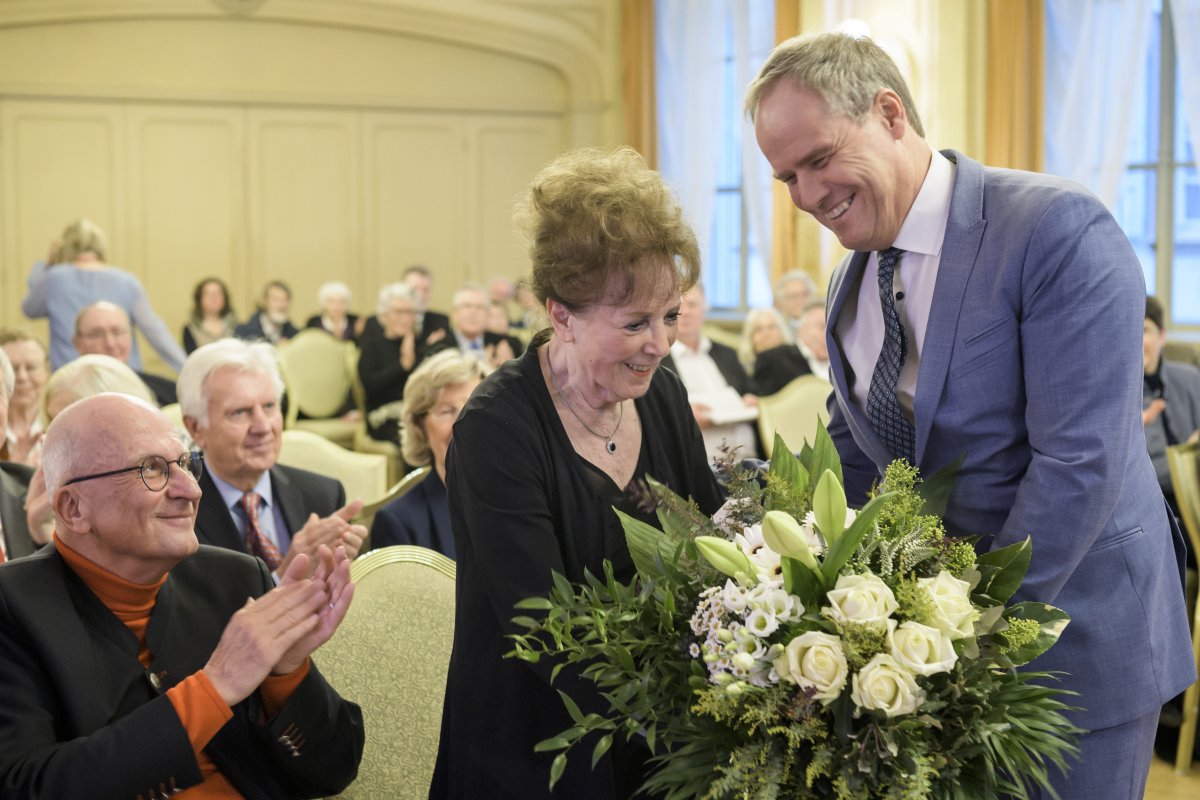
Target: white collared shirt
(860,325)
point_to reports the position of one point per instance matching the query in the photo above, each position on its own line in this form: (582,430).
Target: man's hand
(703,415)
(332,574)
(1154,410)
(262,632)
(332,531)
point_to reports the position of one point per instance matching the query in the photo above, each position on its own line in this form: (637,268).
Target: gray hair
(392,291)
(846,71)
(796,276)
(192,388)
(469,288)
(447,368)
(89,375)
(333,289)
(7,377)
(746,347)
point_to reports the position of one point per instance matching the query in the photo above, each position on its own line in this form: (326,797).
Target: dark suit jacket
(434,321)
(726,359)
(298,493)
(14,482)
(421,517)
(777,367)
(82,720)
(252,330)
(162,388)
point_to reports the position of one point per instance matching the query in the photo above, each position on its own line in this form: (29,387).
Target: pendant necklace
(609,444)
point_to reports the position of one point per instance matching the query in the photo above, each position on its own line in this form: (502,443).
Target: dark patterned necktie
(257,542)
(883,408)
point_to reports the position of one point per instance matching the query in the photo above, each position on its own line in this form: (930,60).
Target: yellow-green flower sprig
(915,603)
(1020,632)
(861,643)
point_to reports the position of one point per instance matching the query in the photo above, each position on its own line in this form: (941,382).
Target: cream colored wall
(308,140)
(941,48)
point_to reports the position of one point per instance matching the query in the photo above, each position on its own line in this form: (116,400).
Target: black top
(382,376)
(524,504)
(777,367)
(348,335)
(421,517)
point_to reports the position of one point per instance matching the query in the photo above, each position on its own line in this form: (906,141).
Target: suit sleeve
(1082,306)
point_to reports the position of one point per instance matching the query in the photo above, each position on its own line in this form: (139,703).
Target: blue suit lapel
(960,253)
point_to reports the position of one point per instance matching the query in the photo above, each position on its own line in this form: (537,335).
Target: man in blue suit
(1005,328)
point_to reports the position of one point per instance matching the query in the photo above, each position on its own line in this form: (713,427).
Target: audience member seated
(132,663)
(230,393)
(719,391)
(212,317)
(270,321)
(436,393)
(103,328)
(469,333)
(793,292)
(387,358)
(768,344)
(74,275)
(14,482)
(31,368)
(810,338)
(335,318)
(86,376)
(1170,397)
(431,326)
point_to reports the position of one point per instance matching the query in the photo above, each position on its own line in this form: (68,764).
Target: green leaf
(601,748)
(785,465)
(840,551)
(1003,570)
(678,527)
(534,604)
(572,708)
(801,581)
(1051,622)
(645,542)
(935,490)
(553,743)
(556,769)
(829,507)
(825,455)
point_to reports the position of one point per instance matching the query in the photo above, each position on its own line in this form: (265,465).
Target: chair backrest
(402,487)
(1184,462)
(364,475)
(793,412)
(316,372)
(390,656)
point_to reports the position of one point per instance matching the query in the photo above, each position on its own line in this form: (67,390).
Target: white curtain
(687,67)
(1185,16)
(1095,59)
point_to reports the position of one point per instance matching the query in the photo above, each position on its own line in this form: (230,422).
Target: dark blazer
(731,369)
(489,339)
(1031,371)
(14,482)
(433,321)
(421,517)
(777,367)
(351,334)
(82,719)
(252,330)
(162,388)
(297,491)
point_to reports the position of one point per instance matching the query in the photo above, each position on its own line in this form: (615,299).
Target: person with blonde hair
(75,275)
(433,398)
(14,482)
(546,447)
(31,370)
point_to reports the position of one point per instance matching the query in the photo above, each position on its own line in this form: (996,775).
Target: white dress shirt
(703,379)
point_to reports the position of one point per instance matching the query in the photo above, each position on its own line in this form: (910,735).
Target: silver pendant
(611,447)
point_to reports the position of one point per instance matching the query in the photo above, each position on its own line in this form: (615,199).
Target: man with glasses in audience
(229,392)
(104,328)
(133,662)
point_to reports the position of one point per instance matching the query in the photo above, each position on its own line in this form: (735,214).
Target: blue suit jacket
(1031,366)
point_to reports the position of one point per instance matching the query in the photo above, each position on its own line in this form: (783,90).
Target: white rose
(883,685)
(814,660)
(864,599)
(954,615)
(921,649)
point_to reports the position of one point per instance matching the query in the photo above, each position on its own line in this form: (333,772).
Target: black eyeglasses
(155,470)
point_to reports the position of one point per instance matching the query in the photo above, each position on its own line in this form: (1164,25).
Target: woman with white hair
(75,275)
(335,318)
(388,354)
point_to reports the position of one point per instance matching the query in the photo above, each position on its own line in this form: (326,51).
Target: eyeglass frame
(195,457)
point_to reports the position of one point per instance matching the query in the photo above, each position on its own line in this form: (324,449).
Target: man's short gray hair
(192,387)
(846,71)
(390,292)
(796,276)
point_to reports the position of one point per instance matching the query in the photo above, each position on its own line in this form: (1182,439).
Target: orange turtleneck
(200,708)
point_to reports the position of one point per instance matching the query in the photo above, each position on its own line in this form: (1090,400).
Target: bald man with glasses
(136,662)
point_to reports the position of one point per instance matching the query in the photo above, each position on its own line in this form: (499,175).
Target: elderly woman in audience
(543,451)
(31,368)
(270,322)
(334,299)
(85,376)
(769,344)
(387,357)
(212,316)
(435,394)
(75,275)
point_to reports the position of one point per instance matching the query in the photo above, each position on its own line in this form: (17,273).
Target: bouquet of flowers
(791,647)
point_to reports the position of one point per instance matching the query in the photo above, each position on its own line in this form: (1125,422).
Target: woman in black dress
(388,353)
(546,447)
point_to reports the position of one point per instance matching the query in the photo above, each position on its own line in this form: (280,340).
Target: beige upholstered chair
(1184,463)
(399,489)
(318,372)
(364,475)
(793,411)
(390,656)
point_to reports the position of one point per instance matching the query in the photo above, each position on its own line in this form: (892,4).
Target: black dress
(523,503)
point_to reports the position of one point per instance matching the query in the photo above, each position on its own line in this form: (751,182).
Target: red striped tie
(257,542)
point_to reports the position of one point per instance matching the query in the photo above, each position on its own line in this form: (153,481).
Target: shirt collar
(681,350)
(924,228)
(232,496)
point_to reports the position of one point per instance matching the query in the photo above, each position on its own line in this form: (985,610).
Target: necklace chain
(609,444)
